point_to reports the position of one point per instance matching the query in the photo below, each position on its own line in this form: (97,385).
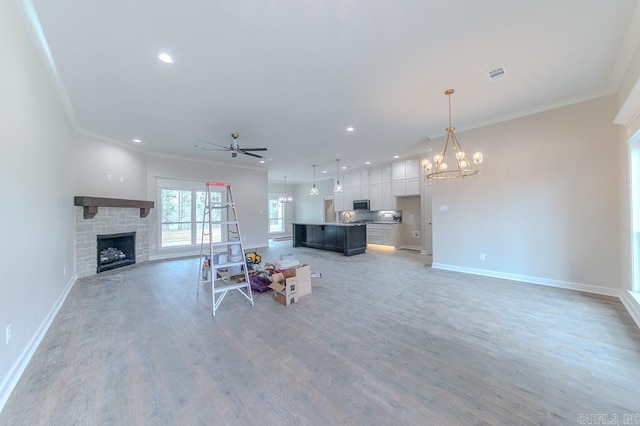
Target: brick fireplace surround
(104,218)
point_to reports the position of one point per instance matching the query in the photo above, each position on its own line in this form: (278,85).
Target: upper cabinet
(380,185)
(406,177)
(399,170)
(351,179)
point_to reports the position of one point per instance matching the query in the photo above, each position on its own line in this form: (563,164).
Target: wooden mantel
(90,205)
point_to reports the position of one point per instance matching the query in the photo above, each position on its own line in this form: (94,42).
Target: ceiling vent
(497,73)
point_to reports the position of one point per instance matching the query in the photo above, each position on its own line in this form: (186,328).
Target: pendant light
(338,187)
(285,198)
(314,191)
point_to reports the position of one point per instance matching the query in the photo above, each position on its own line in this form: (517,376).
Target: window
(182,206)
(276,214)
(635,209)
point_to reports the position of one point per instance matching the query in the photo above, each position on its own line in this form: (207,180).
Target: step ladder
(223,261)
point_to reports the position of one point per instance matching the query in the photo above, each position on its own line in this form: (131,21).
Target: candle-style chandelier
(451,162)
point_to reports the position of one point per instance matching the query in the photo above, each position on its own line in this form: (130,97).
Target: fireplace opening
(115,251)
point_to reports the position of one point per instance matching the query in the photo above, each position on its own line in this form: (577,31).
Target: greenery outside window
(182,206)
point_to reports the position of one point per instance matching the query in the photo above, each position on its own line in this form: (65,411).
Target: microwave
(361,204)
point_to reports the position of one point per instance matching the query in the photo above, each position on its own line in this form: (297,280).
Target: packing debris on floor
(288,278)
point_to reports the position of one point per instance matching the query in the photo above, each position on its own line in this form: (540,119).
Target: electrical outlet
(8,334)
(483,256)
(64,271)
(416,234)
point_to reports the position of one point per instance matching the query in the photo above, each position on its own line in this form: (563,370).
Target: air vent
(497,73)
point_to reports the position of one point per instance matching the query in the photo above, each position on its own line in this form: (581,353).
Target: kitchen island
(347,238)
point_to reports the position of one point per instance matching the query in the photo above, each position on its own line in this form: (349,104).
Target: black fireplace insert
(115,251)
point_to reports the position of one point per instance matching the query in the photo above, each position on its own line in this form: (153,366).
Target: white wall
(97,160)
(249,190)
(308,209)
(36,140)
(547,204)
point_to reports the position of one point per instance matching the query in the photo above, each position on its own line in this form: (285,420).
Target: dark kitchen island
(348,238)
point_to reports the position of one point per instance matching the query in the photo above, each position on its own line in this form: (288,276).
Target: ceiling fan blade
(211,143)
(254,149)
(248,153)
(215,149)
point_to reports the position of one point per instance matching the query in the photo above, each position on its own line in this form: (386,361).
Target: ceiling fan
(234,148)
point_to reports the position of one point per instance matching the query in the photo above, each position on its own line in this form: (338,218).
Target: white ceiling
(292,75)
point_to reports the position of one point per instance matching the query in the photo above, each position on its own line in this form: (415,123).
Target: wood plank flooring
(385,341)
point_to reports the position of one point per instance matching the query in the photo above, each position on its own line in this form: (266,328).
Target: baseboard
(11,380)
(406,247)
(605,291)
(631,301)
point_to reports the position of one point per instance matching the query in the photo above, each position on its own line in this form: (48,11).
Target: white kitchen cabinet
(388,200)
(388,235)
(386,174)
(365,192)
(406,177)
(350,194)
(412,187)
(375,197)
(412,168)
(398,170)
(398,187)
(374,234)
(364,179)
(381,234)
(403,188)
(375,175)
(352,179)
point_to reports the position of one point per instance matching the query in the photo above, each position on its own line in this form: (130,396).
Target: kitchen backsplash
(372,216)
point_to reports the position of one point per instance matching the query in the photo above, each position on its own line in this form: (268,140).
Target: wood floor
(384,341)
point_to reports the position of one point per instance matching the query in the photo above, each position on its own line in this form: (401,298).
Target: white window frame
(196,216)
(274,197)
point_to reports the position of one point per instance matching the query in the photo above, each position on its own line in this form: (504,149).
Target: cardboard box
(286,300)
(223,275)
(284,289)
(316,279)
(283,285)
(302,273)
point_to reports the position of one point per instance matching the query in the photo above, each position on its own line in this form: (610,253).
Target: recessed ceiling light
(344,167)
(367,162)
(137,140)
(166,58)
(350,129)
(324,171)
(396,156)
(261,161)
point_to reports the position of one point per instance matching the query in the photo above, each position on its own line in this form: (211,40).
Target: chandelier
(338,187)
(285,198)
(314,191)
(451,154)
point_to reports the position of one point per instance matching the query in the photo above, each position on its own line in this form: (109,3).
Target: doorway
(329,213)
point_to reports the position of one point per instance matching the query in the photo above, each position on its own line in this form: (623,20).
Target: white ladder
(225,255)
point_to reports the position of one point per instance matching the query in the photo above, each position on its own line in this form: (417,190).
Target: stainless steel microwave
(361,204)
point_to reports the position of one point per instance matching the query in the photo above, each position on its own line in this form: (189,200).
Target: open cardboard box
(284,289)
(302,274)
